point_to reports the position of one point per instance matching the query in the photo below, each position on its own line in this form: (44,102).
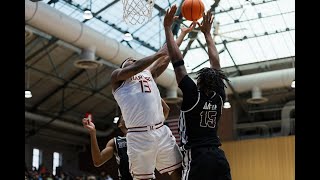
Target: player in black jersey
(200,110)
(116,146)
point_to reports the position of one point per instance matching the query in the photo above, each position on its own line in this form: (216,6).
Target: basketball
(192,10)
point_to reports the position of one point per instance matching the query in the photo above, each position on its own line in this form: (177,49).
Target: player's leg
(206,163)
(142,157)
(198,163)
(176,174)
(223,165)
(169,157)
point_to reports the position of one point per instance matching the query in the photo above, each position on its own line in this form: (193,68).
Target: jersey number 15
(208,119)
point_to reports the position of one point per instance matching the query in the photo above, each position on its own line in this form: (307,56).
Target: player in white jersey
(150,144)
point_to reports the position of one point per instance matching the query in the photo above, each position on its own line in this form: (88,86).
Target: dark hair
(210,79)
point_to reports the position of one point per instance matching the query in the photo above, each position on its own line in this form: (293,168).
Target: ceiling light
(226,105)
(87,14)
(27,94)
(127,36)
(247,5)
(293,84)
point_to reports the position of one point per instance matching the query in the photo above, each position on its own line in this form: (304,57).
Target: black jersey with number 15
(199,115)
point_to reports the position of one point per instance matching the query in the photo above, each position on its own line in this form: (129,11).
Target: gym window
(57,161)
(36,158)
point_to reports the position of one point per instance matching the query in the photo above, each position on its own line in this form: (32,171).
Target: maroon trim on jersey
(170,166)
(159,126)
(144,126)
(138,131)
(142,174)
(137,127)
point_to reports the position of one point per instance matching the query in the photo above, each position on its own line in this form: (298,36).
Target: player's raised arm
(205,28)
(173,49)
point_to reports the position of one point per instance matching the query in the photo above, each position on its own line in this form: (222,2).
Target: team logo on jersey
(122,144)
(209,106)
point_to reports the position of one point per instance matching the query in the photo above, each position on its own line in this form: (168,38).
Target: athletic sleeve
(190,92)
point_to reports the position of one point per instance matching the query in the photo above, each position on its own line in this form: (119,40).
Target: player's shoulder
(186,80)
(112,140)
(147,70)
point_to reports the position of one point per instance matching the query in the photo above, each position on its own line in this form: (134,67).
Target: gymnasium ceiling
(251,38)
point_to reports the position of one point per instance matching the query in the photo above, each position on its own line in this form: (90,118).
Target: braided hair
(210,79)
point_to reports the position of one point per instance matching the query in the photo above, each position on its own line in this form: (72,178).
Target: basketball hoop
(137,11)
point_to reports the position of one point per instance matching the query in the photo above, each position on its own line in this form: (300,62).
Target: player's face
(129,62)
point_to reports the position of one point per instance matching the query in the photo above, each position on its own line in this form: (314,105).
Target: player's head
(127,62)
(210,79)
(121,125)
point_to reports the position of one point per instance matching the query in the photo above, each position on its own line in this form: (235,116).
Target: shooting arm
(158,67)
(175,54)
(127,72)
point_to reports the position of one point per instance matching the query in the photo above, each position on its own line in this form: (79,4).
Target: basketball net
(137,11)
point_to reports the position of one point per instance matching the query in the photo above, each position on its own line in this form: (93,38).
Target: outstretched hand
(169,17)
(188,29)
(206,23)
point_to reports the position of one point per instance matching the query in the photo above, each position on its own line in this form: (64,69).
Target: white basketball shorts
(152,149)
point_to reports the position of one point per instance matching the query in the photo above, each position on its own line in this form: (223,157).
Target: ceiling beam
(52,41)
(159,14)
(262,64)
(114,26)
(222,50)
(187,47)
(80,86)
(54,91)
(102,9)
(247,20)
(250,37)
(157,7)
(33,132)
(235,64)
(240,7)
